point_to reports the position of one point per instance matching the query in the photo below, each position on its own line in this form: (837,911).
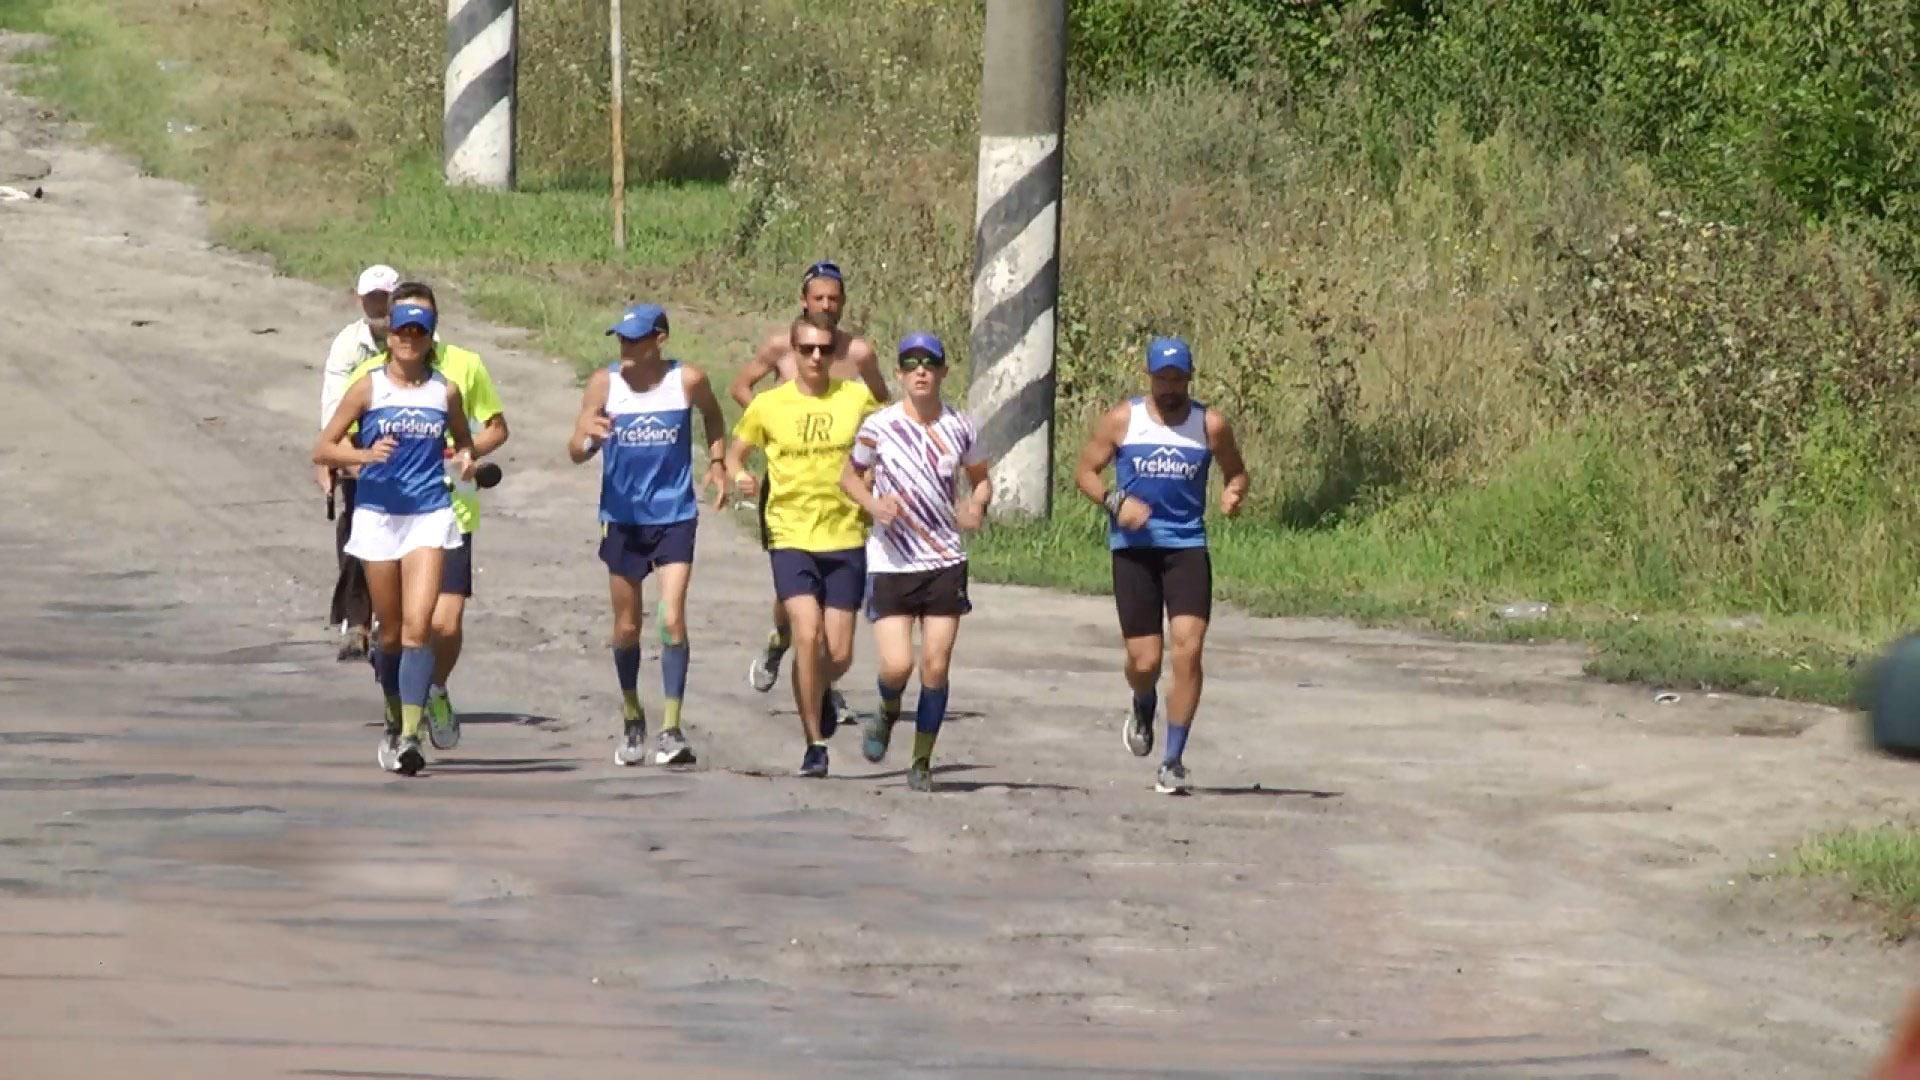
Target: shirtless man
(822,289)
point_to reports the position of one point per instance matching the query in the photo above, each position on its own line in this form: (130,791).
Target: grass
(1879,866)
(1371,299)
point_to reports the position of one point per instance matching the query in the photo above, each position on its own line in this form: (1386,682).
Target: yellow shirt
(807,440)
(478,398)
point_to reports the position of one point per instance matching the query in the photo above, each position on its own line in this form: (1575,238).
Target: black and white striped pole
(1016,277)
(477,129)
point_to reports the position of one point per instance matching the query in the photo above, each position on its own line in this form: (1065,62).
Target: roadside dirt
(1408,858)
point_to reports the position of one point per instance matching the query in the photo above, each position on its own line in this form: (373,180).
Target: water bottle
(462,487)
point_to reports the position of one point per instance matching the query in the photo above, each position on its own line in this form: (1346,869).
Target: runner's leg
(624,594)
(893,654)
(1139,597)
(420,589)
(938,633)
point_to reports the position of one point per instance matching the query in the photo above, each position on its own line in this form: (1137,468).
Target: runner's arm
(700,392)
(862,353)
(979,484)
(1233,468)
(458,429)
(331,447)
(484,408)
(764,363)
(748,433)
(591,425)
(1102,444)
(856,476)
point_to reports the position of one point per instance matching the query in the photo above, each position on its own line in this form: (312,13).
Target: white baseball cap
(378,278)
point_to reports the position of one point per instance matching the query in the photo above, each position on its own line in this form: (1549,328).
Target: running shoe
(633,742)
(920,776)
(1138,733)
(879,732)
(1173,779)
(411,758)
(764,672)
(671,749)
(443,724)
(389,754)
(815,762)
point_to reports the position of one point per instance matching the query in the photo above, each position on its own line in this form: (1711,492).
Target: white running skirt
(378,536)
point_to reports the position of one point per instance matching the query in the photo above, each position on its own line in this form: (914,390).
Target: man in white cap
(352,609)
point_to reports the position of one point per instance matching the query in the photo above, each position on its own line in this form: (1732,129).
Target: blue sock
(415,674)
(388,666)
(889,699)
(673,678)
(1176,742)
(931,711)
(1144,704)
(626,664)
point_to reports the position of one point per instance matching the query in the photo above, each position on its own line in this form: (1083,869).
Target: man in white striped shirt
(903,472)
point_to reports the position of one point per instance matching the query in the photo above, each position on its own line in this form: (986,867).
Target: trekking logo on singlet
(413,424)
(649,430)
(1166,463)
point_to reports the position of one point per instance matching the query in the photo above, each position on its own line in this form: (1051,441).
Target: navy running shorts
(456,569)
(634,551)
(838,579)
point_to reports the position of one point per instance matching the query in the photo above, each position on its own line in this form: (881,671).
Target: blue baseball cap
(921,341)
(640,320)
(824,269)
(1169,354)
(412,315)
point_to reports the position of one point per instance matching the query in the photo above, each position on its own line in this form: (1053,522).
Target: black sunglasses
(915,360)
(813,350)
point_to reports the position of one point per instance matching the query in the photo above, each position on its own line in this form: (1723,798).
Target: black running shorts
(1150,581)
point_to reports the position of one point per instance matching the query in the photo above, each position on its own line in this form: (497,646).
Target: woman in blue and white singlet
(403,521)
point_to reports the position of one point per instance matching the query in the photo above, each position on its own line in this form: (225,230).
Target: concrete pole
(1016,278)
(477,128)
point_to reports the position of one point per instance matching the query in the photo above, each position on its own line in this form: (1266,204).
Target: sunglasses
(915,361)
(813,350)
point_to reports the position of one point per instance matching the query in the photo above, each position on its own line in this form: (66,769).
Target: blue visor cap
(404,315)
(823,269)
(640,320)
(921,341)
(1169,354)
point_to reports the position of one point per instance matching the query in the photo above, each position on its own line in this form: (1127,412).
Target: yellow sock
(672,720)
(410,721)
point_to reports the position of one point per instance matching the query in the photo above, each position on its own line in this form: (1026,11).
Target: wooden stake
(619,132)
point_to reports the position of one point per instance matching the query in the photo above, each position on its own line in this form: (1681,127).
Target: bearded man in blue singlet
(1162,447)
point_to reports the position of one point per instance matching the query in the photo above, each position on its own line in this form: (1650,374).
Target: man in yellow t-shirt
(816,533)
(487,419)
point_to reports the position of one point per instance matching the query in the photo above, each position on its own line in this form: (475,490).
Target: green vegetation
(1880,866)
(1609,306)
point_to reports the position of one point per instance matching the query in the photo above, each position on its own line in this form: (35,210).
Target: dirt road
(1409,858)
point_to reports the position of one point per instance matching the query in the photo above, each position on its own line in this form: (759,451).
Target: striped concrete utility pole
(1016,248)
(478,127)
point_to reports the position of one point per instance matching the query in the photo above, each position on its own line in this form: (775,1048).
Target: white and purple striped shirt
(917,463)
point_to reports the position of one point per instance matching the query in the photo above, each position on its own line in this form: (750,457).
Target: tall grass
(1492,322)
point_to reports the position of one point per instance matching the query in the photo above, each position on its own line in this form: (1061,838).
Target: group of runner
(863,504)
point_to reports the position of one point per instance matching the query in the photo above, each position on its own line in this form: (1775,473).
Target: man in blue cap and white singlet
(403,521)
(1162,447)
(638,413)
